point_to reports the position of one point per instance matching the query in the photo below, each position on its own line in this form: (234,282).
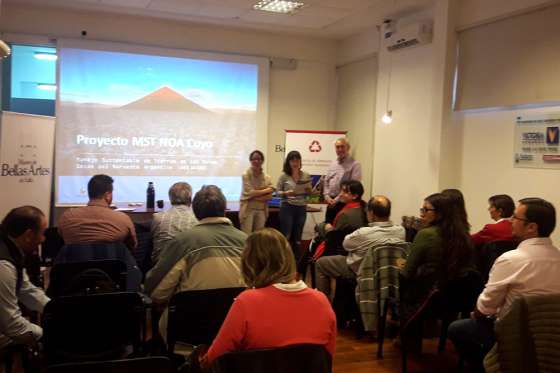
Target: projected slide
(140,118)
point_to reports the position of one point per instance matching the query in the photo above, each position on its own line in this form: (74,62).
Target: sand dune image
(165,99)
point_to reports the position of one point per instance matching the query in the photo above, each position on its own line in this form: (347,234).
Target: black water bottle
(150,196)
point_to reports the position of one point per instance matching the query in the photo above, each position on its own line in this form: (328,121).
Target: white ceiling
(334,19)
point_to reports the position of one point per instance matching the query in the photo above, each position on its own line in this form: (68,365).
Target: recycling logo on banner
(315,147)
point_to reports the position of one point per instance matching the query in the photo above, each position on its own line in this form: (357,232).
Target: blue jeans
(473,339)
(292,219)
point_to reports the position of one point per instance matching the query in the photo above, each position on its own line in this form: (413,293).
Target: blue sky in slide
(114,78)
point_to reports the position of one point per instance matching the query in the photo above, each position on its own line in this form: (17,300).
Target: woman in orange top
(278,310)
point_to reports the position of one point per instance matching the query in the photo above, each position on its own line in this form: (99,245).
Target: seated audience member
(531,269)
(501,208)
(257,191)
(458,202)
(180,217)
(21,232)
(381,231)
(213,248)
(440,252)
(278,310)
(352,216)
(97,222)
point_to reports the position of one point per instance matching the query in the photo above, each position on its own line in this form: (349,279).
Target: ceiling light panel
(278,6)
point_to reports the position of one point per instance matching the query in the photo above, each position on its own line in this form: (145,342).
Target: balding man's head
(379,208)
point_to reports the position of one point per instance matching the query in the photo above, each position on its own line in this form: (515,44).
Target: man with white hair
(344,168)
(166,225)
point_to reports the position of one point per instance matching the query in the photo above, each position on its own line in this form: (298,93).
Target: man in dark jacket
(22,230)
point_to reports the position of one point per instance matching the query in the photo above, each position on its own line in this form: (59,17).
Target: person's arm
(327,186)
(356,172)
(481,236)
(61,225)
(281,187)
(308,189)
(423,242)
(31,296)
(264,197)
(249,192)
(168,285)
(231,334)
(493,296)
(156,222)
(131,241)
(354,241)
(12,323)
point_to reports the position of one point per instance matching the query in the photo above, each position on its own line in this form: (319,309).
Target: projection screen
(142,114)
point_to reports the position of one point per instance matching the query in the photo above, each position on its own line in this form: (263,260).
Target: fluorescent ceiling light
(45,56)
(278,6)
(46,87)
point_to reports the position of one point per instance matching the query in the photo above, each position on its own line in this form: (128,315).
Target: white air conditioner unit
(409,36)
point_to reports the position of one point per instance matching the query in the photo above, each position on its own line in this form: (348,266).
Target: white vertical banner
(316,148)
(26,158)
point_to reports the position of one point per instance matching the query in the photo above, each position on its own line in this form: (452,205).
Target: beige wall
(487,165)
(486,145)
(358,47)
(301,98)
(355,111)
(428,147)
(473,12)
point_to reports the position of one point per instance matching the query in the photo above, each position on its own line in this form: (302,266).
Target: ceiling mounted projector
(4,49)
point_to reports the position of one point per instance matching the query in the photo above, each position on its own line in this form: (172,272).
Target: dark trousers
(292,219)
(473,338)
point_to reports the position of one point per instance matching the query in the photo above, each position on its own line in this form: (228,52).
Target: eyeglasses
(256,159)
(424,210)
(522,219)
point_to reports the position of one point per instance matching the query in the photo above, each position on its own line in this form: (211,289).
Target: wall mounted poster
(537,141)
(26,154)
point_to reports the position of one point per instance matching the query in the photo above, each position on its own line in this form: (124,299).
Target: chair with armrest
(195,316)
(527,337)
(302,358)
(157,364)
(89,277)
(378,286)
(85,252)
(92,327)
